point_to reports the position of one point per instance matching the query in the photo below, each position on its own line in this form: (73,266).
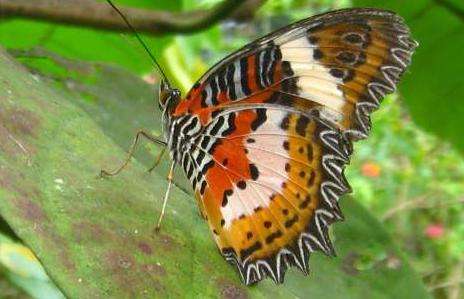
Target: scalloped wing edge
(339,148)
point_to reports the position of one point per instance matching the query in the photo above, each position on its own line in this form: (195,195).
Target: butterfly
(264,135)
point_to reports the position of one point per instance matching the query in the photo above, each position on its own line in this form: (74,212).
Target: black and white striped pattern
(192,145)
(233,79)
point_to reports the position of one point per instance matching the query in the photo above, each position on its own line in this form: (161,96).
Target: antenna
(141,42)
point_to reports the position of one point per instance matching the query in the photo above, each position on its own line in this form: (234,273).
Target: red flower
(434,231)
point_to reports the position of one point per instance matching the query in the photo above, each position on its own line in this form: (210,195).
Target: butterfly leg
(140,133)
(158,160)
(166,196)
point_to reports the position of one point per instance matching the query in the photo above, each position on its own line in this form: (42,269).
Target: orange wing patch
(266,215)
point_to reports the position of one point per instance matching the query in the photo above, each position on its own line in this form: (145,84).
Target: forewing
(341,63)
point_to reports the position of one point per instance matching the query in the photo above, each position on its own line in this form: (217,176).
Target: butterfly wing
(342,63)
(270,186)
(268,131)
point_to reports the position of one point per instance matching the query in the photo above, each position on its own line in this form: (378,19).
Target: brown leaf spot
(229,290)
(145,248)
(31,210)
(154,269)
(118,262)
(20,121)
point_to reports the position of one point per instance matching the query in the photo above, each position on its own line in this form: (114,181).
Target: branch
(100,15)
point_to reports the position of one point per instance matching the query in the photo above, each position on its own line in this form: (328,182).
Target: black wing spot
(301,125)
(285,123)
(273,236)
(241,184)
(259,120)
(309,148)
(306,202)
(244,253)
(286,145)
(291,221)
(226,194)
(311,178)
(254,172)
(347,57)
(287,167)
(317,54)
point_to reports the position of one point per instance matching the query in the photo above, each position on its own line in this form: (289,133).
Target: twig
(445,284)
(100,15)
(419,203)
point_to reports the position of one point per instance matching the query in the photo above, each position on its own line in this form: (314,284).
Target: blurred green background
(409,173)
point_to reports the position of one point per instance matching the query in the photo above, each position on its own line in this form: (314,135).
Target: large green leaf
(434,88)
(94,237)
(85,43)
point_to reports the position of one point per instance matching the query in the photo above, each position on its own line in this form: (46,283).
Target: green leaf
(94,236)
(23,270)
(88,44)
(433,89)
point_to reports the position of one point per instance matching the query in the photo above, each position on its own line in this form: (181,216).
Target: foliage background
(409,173)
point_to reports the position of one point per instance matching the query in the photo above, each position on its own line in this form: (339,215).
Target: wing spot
(302,174)
(226,194)
(301,125)
(286,145)
(215,232)
(353,38)
(317,54)
(254,172)
(311,178)
(337,73)
(273,236)
(250,140)
(285,123)
(241,184)
(259,120)
(225,162)
(287,167)
(346,57)
(249,235)
(309,148)
(305,203)
(244,253)
(301,150)
(241,216)
(223,222)
(284,185)
(285,212)
(267,224)
(257,209)
(291,221)
(313,39)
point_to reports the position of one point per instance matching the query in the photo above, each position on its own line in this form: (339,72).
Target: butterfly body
(265,134)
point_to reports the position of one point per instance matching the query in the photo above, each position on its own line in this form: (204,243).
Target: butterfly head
(168,97)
